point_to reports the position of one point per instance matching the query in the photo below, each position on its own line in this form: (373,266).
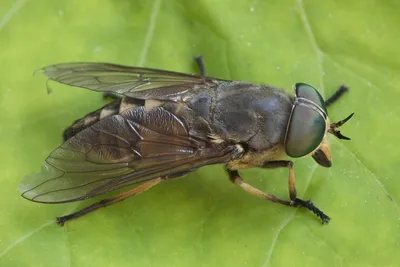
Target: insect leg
(294,201)
(236,179)
(339,92)
(108,201)
(200,64)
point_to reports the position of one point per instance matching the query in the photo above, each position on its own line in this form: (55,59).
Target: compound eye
(305,132)
(307,125)
(306,91)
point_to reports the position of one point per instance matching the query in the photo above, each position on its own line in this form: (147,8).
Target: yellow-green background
(204,220)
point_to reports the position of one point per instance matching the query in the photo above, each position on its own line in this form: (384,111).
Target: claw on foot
(310,206)
(61,220)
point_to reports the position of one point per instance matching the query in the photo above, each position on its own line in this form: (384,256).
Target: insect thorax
(251,114)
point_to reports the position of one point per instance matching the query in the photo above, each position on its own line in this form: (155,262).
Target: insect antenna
(333,126)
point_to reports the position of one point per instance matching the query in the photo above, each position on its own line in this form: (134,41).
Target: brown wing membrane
(105,77)
(132,147)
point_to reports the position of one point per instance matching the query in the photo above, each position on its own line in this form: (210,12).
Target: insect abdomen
(115,107)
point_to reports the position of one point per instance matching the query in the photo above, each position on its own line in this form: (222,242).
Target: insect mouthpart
(333,126)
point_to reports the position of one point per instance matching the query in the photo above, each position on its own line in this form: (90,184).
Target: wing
(129,81)
(132,147)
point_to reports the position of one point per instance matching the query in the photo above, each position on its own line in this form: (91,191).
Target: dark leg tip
(325,219)
(63,219)
(60,221)
(309,205)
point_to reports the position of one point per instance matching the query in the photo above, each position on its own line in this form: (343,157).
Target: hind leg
(109,201)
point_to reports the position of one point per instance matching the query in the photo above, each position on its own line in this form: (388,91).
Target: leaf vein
(286,221)
(373,175)
(68,246)
(150,31)
(314,44)
(16,6)
(369,83)
(23,238)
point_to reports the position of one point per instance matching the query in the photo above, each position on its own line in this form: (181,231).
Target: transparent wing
(126,80)
(132,147)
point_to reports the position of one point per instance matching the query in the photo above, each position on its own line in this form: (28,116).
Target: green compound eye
(307,123)
(308,92)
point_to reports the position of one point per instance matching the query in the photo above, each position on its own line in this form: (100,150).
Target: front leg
(294,201)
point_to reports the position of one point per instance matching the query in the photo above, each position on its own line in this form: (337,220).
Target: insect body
(167,124)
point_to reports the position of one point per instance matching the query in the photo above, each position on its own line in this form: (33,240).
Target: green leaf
(203,219)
